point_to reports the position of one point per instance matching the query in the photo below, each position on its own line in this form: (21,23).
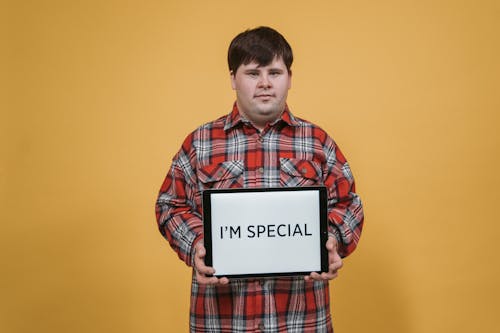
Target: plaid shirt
(229,152)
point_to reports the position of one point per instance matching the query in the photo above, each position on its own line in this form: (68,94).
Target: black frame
(323,212)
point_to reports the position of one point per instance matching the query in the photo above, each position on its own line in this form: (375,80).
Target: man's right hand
(202,271)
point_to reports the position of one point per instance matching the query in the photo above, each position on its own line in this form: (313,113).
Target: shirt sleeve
(178,217)
(345,211)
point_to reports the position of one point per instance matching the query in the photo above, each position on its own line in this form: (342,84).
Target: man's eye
(253,74)
(275,73)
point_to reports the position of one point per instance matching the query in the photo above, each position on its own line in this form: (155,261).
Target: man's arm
(345,211)
(177,213)
(178,219)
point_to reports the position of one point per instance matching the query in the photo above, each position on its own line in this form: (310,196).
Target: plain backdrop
(97,96)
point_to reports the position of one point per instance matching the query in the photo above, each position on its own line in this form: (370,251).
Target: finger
(201,268)
(199,265)
(324,276)
(333,270)
(313,276)
(336,263)
(200,250)
(203,279)
(223,280)
(203,272)
(336,266)
(207,271)
(330,244)
(329,275)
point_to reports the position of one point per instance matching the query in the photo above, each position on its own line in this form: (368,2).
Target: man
(259,144)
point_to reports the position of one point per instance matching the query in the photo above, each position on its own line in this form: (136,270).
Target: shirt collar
(234,118)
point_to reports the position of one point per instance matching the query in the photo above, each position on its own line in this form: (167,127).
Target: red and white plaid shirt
(229,152)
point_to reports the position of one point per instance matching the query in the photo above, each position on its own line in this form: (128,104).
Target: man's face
(261,91)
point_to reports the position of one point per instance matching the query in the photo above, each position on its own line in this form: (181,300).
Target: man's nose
(264,81)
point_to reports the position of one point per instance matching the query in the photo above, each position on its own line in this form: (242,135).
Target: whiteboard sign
(266,231)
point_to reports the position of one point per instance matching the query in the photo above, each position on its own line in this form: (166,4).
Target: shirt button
(260,170)
(304,171)
(262,327)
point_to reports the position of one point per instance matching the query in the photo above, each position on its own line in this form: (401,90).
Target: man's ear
(233,83)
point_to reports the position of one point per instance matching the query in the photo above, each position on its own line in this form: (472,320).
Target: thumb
(200,250)
(331,244)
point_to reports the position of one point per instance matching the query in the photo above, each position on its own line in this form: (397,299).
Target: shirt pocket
(297,172)
(228,174)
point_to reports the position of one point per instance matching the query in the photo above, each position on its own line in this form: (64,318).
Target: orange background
(97,96)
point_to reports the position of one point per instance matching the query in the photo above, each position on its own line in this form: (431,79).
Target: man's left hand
(334,263)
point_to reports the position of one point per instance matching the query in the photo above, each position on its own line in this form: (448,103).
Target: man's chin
(268,110)
(269,115)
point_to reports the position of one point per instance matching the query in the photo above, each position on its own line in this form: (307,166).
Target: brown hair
(262,45)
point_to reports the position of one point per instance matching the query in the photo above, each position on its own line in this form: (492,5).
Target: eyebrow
(259,68)
(252,70)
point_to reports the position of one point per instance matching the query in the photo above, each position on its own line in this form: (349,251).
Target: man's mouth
(264,95)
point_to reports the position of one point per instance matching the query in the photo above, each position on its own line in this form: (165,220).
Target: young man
(259,144)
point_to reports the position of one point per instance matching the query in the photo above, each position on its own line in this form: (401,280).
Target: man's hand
(334,263)
(202,271)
